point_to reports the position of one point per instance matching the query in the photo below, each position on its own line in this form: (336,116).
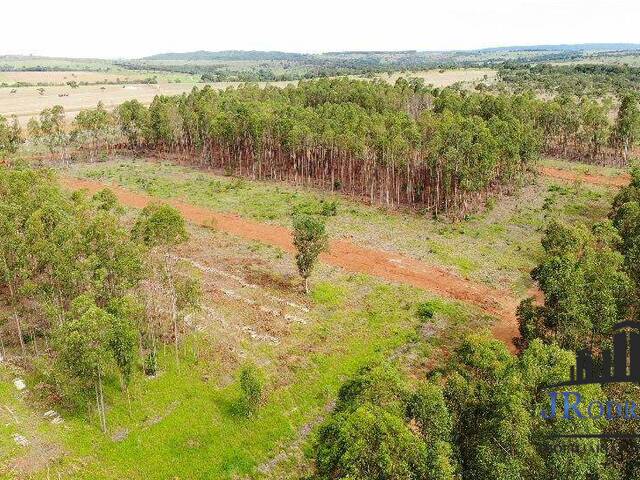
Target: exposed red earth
(345,254)
(594,179)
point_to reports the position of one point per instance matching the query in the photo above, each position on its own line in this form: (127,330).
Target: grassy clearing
(498,247)
(444,78)
(115,75)
(583,168)
(185,422)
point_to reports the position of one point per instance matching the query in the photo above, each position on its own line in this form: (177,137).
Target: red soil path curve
(604,180)
(354,258)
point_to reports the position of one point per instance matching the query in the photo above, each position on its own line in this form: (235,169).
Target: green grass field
(497,247)
(185,424)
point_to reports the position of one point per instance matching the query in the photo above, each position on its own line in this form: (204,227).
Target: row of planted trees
(394,145)
(367,139)
(85,299)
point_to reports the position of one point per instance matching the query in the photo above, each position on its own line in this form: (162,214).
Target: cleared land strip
(594,179)
(345,254)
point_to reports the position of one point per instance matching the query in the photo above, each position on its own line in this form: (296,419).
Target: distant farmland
(443,78)
(26,102)
(79,76)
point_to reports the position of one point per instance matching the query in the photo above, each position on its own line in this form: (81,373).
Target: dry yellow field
(27,102)
(446,77)
(64,77)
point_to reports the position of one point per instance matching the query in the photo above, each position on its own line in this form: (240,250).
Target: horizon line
(541,46)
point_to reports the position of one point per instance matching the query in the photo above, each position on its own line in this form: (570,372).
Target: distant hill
(579,47)
(254,55)
(257,55)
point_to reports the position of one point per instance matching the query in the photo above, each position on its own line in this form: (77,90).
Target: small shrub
(324,208)
(426,310)
(329,208)
(251,388)
(150,365)
(490,204)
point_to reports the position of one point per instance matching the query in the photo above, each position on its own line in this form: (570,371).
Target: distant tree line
(595,80)
(150,80)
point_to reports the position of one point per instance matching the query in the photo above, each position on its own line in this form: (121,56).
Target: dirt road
(604,180)
(345,254)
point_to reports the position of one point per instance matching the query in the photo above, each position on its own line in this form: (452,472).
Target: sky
(136,28)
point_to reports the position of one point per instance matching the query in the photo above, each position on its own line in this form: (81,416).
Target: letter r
(572,407)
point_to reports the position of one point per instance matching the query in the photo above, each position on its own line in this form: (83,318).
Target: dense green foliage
(71,275)
(586,289)
(406,144)
(625,214)
(402,144)
(160,224)
(590,79)
(476,418)
(589,279)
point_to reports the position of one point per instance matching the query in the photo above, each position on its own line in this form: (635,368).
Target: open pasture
(27,102)
(444,78)
(112,76)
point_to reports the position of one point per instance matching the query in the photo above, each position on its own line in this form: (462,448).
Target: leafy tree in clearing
(128,315)
(160,225)
(310,239)
(83,343)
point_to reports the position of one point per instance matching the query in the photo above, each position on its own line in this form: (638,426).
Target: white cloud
(131,28)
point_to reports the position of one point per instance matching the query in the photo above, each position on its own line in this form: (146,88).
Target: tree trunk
(17,320)
(174,317)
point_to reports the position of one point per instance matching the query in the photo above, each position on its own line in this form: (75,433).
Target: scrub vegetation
(135,344)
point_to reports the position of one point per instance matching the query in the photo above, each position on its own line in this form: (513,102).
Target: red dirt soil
(354,258)
(614,181)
